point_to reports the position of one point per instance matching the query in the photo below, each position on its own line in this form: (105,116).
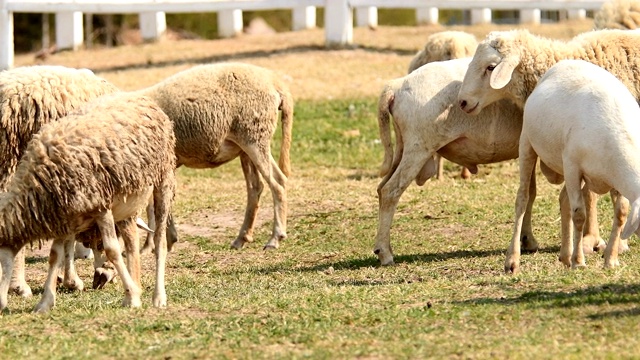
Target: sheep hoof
(102,277)
(591,244)
(75,285)
(43,307)
(529,244)
(511,267)
(270,246)
(611,264)
(624,246)
(385,257)
(22,290)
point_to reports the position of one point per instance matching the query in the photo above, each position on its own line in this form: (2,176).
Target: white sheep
(582,123)
(508,64)
(222,111)
(618,14)
(427,121)
(92,169)
(30,97)
(441,46)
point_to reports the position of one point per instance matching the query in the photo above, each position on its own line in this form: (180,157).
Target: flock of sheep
(80,159)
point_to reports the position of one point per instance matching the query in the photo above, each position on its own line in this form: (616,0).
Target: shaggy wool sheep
(441,46)
(582,123)
(508,64)
(427,121)
(94,168)
(445,45)
(30,97)
(222,111)
(618,14)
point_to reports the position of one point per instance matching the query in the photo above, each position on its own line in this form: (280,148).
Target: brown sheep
(222,111)
(93,168)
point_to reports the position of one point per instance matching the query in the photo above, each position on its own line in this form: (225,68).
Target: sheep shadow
(606,294)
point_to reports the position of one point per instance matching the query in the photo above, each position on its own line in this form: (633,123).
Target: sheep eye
(491,67)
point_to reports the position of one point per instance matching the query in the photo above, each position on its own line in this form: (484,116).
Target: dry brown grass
(314,71)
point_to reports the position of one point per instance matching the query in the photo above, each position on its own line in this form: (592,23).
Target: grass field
(323,294)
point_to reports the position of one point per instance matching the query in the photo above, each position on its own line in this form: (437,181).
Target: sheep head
(489,72)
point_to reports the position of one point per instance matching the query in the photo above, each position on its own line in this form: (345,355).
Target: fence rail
(338,14)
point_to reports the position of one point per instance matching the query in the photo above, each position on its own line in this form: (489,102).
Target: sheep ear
(501,75)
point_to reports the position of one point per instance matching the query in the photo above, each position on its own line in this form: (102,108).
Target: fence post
(577,14)
(229,23)
(427,16)
(69,32)
(6,38)
(153,24)
(338,22)
(304,17)
(480,16)
(367,16)
(530,16)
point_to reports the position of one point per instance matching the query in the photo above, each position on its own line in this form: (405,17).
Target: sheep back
(212,104)
(618,14)
(78,166)
(36,95)
(445,45)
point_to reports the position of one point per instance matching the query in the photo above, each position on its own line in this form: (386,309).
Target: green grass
(322,295)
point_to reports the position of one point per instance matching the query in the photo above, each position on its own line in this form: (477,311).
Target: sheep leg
(573,183)
(112,250)
(566,228)
(18,282)
(147,248)
(56,256)
(102,275)
(129,233)
(390,189)
(591,239)
(254,191)
(7,256)
(621,211)
(162,197)
(71,279)
(527,161)
(440,164)
(268,168)
(529,243)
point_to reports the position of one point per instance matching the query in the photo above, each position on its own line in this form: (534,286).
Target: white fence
(338,14)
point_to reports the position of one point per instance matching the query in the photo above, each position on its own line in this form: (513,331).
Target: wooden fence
(338,15)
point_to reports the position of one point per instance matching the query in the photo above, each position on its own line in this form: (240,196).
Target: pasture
(322,294)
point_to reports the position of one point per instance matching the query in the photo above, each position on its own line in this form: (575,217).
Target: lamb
(441,46)
(582,123)
(222,111)
(94,168)
(30,97)
(508,64)
(427,121)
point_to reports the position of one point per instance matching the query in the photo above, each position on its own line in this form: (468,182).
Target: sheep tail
(384,114)
(633,220)
(286,107)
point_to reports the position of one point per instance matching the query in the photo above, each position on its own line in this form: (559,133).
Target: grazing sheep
(427,121)
(222,111)
(30,97)
(445,45)
(618,14)
(583,124)
(508,64)
(94,168)
(441,46)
